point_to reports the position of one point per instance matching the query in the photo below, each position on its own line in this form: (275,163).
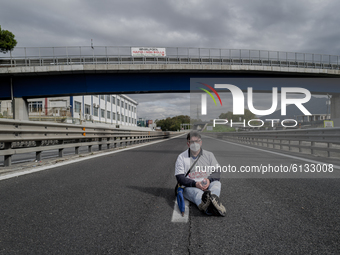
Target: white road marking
(277,153)
(38,169)
(177,215)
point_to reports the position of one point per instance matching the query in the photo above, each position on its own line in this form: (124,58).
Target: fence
(324,140)
(24,136)
(82,55)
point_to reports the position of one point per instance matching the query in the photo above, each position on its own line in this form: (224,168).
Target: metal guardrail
(319,139)
(82,55)
(23,136)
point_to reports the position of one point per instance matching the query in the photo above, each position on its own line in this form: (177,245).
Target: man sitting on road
(202,187)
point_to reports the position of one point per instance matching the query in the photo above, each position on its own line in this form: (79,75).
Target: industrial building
(110,109)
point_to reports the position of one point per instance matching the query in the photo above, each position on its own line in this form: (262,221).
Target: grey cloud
(296,26)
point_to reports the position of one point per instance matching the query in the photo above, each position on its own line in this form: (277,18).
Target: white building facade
(110,109)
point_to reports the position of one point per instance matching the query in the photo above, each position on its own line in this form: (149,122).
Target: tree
(248,115)
(7,41)
(174,123)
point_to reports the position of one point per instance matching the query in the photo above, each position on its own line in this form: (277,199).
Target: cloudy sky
(308,26)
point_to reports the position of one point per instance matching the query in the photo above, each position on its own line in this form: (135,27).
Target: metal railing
(19,137)
(320,139)
(82,55)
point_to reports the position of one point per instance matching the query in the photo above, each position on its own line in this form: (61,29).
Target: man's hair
(193,134)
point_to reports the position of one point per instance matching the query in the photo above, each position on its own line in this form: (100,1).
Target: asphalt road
(123,203)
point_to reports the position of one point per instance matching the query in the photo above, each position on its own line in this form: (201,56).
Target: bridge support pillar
(335,109)
(20,109)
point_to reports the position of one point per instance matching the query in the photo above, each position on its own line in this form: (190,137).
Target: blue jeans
(194,194)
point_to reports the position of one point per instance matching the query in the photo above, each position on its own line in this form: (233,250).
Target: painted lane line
(276,153)
(177,215)
(42,168)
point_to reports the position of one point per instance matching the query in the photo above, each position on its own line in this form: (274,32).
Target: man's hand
(199,185)
(205,187)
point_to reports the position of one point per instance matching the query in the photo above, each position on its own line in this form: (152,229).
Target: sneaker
(205,201)
(216,206)
(209,211)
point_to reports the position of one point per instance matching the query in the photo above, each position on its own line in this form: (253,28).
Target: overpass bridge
(30,72)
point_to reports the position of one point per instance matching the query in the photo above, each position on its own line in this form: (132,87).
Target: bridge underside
(35,86)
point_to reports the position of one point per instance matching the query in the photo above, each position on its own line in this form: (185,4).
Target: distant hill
(315,105)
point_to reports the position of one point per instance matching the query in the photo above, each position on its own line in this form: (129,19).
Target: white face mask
(195,146)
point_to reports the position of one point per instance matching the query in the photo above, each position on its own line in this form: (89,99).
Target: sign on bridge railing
(148,52)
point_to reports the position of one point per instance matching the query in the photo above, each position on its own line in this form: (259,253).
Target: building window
(113,100)
(108,98)
(95,95)
(126,119)
(122,104)
(113,116)
(35,106)
(102,97)
(118,115)
(87,109)
(77,107)
(122,117)
(108,115)
(129,120)
(95,111)
(126,106)
(102,113)
(118,101)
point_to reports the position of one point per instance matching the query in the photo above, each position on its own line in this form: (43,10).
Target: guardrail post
(99,145)
(329,145)
(300,143)
(38,153)
(61,153)
(7,158)
(38,156)
(312,150)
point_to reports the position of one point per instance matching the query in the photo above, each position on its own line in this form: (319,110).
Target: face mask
(195,146)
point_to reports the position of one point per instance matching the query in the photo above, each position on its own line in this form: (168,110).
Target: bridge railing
(19,137)
(319,141)
(82,55)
